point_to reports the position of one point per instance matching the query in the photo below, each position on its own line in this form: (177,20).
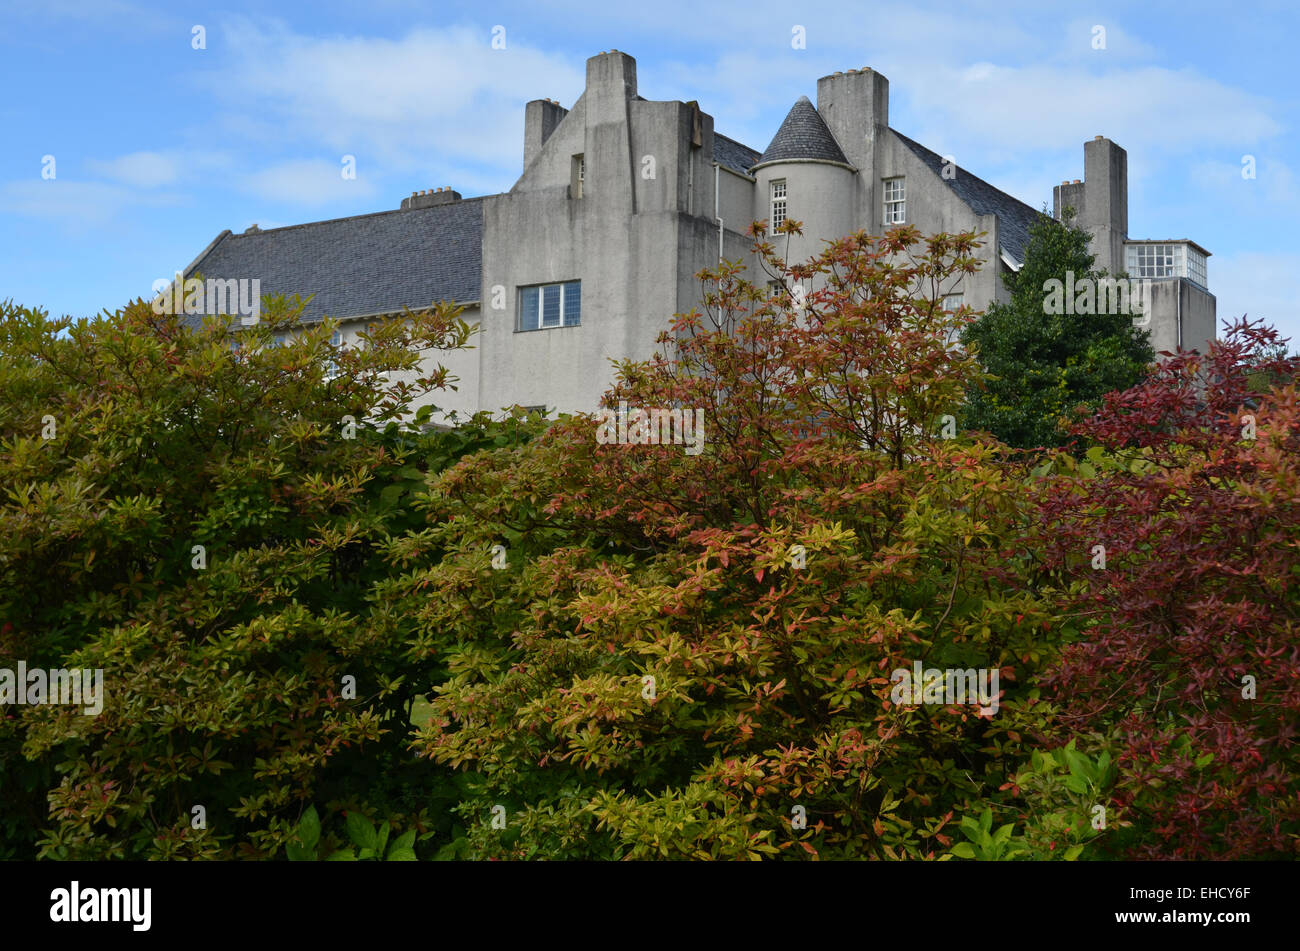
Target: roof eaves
(804,161)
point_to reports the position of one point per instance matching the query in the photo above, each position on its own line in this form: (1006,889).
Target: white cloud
(1081,41)
(1259,285)
(142,169)
(308,182)
(432,97)
(79,206)
(1146,108)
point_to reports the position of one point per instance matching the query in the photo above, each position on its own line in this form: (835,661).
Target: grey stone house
(623,200)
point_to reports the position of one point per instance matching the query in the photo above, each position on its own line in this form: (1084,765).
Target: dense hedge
(517,639)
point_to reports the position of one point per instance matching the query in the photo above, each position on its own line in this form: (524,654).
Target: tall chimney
(1105,212)
(611,84)
(541,116)
(855,106)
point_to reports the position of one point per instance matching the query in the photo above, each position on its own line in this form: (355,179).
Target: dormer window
(778,203)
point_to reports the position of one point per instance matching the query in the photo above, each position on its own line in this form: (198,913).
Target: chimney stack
(428,198)
(1105,178)
(541,116)
(855,106)
(611,85)
(1101,200)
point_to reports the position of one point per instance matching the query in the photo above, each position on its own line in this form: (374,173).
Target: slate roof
(365,264)
(731,154)
(803,135)
(1014,217)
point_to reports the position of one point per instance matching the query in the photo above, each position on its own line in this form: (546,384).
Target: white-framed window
(1177,259)
(578,177)
(546,306)
(778,203)
(895,190)
(1151,260)
(953,302)
(331,365)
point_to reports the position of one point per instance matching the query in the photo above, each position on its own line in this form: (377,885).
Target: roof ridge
(368,214)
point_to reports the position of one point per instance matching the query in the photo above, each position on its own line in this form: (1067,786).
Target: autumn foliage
(1190,661)
(688,655)
(516,640)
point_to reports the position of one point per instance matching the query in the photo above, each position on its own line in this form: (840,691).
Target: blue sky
(158,146)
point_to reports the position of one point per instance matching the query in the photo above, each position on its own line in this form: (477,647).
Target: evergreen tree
(1042,366)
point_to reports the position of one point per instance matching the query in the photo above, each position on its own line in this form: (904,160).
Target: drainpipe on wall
(1178,290)
(717,173)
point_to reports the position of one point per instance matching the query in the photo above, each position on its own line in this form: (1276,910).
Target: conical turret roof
(803,135)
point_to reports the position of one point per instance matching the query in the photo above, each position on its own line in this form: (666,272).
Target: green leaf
(362,832)
(309,828)
(1079,765)
(962,850)
(402,855)
(404,841)
(342,855)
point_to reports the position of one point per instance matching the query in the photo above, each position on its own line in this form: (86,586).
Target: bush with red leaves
(1191,662)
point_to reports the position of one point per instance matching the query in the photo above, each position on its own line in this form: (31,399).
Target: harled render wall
(642,228)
